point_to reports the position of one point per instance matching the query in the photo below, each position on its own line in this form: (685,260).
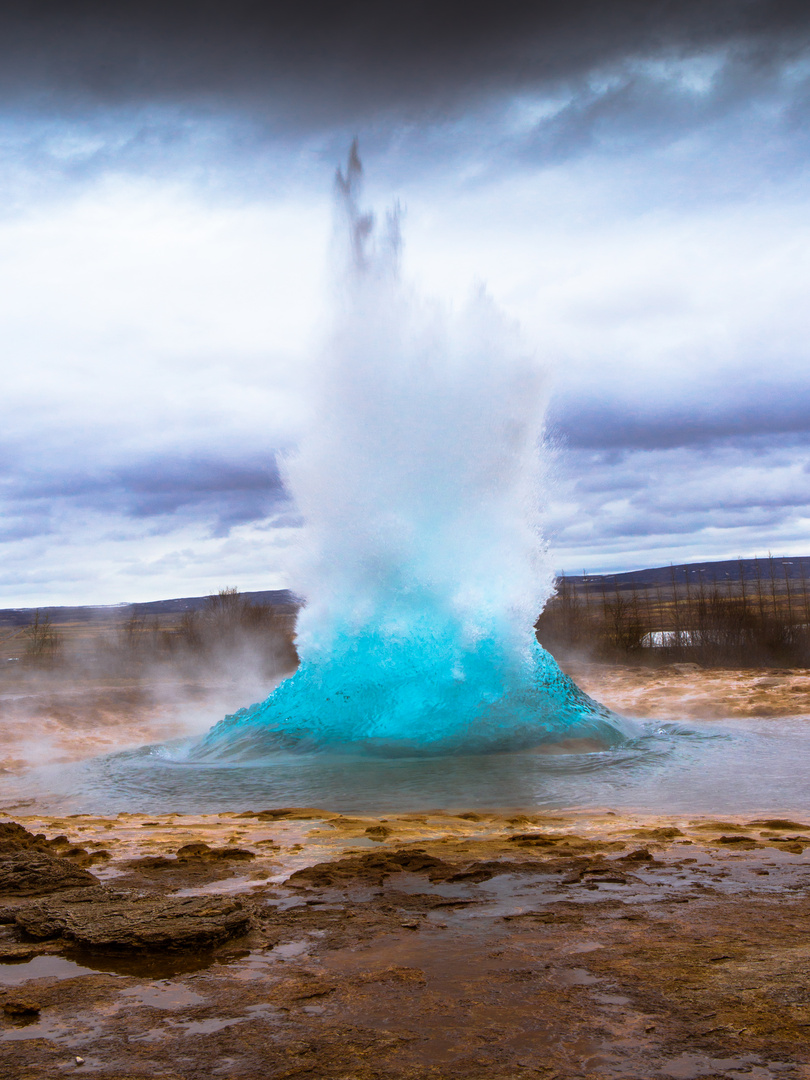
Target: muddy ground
(687,691)
(306,944)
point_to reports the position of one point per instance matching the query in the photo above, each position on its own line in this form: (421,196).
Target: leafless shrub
(42,640)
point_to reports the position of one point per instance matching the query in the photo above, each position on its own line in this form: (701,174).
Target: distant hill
(796,569)
(277,598)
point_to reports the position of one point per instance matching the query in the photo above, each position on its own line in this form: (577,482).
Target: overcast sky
(629,180)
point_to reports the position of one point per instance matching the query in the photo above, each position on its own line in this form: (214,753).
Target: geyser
(422,564)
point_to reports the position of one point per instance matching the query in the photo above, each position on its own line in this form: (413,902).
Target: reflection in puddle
(146,966)
(15,973)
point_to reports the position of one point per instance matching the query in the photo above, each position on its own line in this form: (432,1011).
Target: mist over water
(420,481)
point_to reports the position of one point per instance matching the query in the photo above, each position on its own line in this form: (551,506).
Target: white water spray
(419,480)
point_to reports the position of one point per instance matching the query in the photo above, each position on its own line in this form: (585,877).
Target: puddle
(611,999)
(74,1032)
(153,1035)
(207,1027)
(15,973)
(577,977)
(289,950)
(691,1066)
(39,1029)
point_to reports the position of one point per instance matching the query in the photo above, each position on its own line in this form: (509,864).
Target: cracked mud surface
(422,945)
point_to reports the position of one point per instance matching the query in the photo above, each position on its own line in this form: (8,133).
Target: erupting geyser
(422,564)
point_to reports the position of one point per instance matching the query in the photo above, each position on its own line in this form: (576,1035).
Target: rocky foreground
(298,943)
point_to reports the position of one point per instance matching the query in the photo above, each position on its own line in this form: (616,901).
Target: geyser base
(411,698)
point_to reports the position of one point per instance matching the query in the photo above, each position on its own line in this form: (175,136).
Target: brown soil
(681,691)
(418,946)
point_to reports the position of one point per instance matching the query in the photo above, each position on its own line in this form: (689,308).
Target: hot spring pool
(739,766)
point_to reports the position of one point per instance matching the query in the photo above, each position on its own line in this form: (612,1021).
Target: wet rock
(120,922)
(378,832)
(393,973)
(297,813)
(795,845)
(15,839)
(304,987)
(721,826)
(371,869)
(476,873)
(664,833)
(640,855)
(190,856)
(208,854)
(562,843)
(21,1007)
(35,873)
(779,823)
(10,951)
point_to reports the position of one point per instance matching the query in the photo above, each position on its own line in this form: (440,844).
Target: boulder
(370,869)
(36,873)
(122,922)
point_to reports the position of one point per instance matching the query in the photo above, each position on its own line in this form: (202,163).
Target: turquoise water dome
(415,697)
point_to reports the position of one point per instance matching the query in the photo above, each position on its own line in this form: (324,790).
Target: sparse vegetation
(226,633)
(228,629)
(758,616)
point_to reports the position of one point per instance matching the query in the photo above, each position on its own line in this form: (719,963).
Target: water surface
(739,766)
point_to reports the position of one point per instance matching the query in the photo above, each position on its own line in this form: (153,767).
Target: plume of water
(422,563)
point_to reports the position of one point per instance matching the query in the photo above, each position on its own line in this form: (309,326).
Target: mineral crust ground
(288,942)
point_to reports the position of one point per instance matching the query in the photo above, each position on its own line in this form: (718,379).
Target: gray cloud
(712,501)
(740,415)
(164,490)
(637,104)
(622,110)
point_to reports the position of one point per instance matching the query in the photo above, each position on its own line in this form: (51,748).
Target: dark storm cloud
(318,64)
(222,493)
